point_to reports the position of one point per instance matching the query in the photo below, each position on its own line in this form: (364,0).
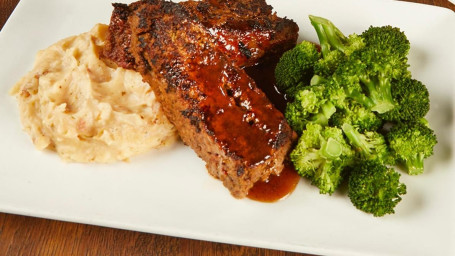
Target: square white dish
(170,192)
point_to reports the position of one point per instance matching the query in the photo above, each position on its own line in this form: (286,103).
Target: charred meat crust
(246,31)
(118,43)
(216,107)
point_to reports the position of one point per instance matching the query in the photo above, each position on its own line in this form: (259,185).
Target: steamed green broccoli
(305,107)
(321,155)
(309,106)
(412,101)
(347,75)
(357,115)
(327,65)
(315,103)
(332,91)
(388,41)
(296,66)
(370,145)
(335,46)
(292,91)
(374,188)
(357,111)
(412,142)
(369,72)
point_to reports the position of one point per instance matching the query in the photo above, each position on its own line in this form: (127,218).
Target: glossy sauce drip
(235,112)
(240,45)
(264,76)
(276,187)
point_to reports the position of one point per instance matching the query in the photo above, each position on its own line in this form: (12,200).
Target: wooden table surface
(21,235)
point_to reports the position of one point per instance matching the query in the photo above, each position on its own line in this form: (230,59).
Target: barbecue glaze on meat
(216,107)
(246,31)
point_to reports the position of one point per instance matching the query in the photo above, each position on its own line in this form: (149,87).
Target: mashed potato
(75,104)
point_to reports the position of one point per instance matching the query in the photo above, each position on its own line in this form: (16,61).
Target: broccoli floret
(387,40)
(292,91)
(387,51)
(355,114)
(412,142)
(385,54)
(309,105)
(296,66)
(369,145)
(315,103)
(357,110)
(412,101)
(327,65)
(335,46)
(374,188)
(347,76)
(368,73)
(331,90)
(362,85)
(321,155)
(331,38)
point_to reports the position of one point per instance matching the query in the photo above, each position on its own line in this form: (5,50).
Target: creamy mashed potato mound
(74,103)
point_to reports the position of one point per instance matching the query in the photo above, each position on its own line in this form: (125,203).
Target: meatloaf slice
(246,31)
(216,107)
(118,43)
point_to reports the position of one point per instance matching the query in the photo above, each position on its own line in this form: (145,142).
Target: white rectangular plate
(170,192)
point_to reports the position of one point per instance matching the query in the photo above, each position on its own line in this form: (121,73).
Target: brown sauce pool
(276,187)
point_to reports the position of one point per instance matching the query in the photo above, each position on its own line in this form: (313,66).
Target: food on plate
(296,66)
(246,31)
(322,154)
(162,68)
(412,142)
(375,188)
(215,106)
(412,101)
(358,111)
(85,110)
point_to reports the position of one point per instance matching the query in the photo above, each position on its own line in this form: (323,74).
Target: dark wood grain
(21,235)
(6,8)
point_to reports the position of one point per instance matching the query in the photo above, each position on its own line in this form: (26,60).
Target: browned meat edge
(216,107)
(246,31)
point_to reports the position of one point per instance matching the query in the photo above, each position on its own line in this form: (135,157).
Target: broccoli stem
(360,98)
(336,37)
(324,114)
(331,149)
(327,181)
(323,41)
(415,164)
(317,80)
(380,93)
(355,139)
(329,35)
